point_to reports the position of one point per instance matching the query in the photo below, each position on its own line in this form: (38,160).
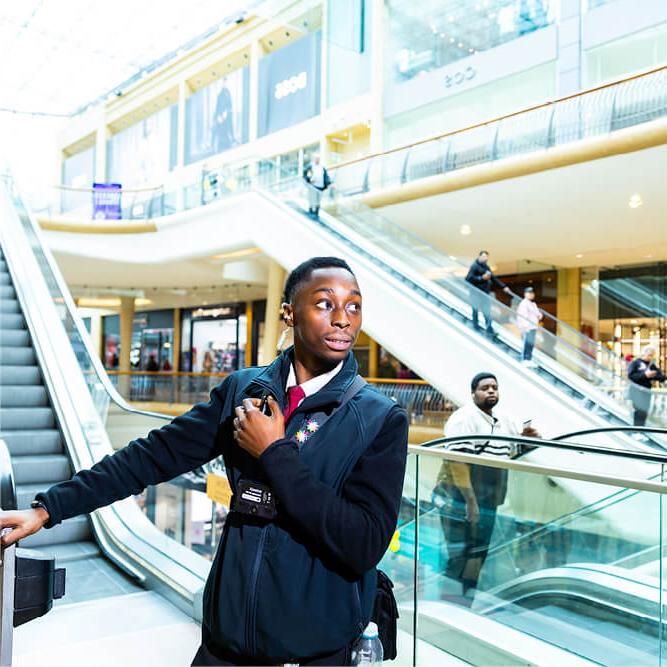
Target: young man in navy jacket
(298,587)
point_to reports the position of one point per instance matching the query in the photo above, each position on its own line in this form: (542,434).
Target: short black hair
(482,252)
(303,272)
(485,375)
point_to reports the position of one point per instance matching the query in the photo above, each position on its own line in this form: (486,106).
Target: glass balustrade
(592,114)
(550,560)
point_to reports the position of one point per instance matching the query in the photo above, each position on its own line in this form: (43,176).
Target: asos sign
(291,85)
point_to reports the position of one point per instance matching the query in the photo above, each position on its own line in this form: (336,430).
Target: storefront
(152,341)
(213,338)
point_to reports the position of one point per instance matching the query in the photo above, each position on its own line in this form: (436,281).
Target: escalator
(59,413)
(575,380)
(28,426)
(634,296)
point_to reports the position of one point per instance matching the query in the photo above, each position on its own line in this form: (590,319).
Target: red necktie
(294,396)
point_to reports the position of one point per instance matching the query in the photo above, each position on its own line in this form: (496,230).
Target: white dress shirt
(470,420)
(313,385)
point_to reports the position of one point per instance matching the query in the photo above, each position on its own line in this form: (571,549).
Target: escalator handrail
(7,484)
(589,343)
(554,444)
(611,429)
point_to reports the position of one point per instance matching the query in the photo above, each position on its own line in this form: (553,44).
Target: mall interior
(153,200)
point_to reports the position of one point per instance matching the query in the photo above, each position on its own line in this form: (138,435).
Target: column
(373,357)
(256,52)
(183,92)
(248,333)
(590,302)
(101,136)
(568,311)
(126,320)
(176,349)
(272,324)
(377,74)
(569,63)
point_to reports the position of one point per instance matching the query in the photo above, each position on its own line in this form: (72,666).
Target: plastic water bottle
(367,650)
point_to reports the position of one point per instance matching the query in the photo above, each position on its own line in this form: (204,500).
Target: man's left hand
(530,432)
(254,431)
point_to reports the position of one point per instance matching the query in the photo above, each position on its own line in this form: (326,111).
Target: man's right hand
(472,510)
(22,523)
(650,374)
(486,276)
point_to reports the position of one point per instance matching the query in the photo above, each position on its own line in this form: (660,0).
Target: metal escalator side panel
(124,532)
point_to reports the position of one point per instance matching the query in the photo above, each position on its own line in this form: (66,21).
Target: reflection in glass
(426,35)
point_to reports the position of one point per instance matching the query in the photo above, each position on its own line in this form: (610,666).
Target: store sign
(214,312)
(289,84)
(459,77)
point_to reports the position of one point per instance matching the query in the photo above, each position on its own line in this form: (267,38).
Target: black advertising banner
(216,117)
(289,84)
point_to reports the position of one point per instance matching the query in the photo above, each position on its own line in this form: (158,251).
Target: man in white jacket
(528,320)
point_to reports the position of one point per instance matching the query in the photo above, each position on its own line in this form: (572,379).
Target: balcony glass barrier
(539,561)
(107,202)
(180,509)
(425,405)
(590,114)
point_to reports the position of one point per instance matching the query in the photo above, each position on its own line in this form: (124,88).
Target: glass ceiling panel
(58,57)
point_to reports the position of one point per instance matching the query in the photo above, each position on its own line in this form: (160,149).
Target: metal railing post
(7,574)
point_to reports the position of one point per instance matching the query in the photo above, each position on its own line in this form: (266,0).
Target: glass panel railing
(106,203)
(590,114)
(181,502)
(502,558)
(425,405)
(166,387)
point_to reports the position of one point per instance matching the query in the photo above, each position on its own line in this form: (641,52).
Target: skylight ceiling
(59,56)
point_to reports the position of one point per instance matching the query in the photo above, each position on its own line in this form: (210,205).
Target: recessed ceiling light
(635,201)
(465,230)
(578,255)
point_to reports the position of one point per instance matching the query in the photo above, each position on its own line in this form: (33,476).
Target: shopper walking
(317,180)
(482,280)
(528,318)
(294,580)
(642,373)
(469,495)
